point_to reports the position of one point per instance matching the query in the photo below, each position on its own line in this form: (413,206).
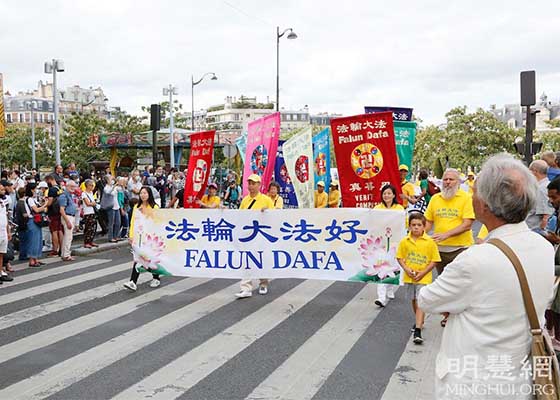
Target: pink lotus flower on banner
(377,260)
(149,254)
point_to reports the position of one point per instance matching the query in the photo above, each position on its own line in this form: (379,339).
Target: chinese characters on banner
(366,157)
(200,163)
(322,158)
(298,154)
(339,244)
(399,113)
(405,137)
(281,176)
(2,114)
(262,143)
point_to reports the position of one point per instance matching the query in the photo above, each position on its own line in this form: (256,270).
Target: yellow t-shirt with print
(261,201)
(407,189)
(210,201)
(321,199)
(334,198)
(417,255)
(449,214)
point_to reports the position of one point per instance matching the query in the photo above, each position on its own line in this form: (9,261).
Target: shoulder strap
(527,298)
(252,203)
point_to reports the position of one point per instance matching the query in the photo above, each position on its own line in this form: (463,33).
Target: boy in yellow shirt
(417,255)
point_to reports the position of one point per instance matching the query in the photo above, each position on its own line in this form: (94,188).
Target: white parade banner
(298,155)
(331,244)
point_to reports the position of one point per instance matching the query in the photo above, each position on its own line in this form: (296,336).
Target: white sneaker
(263,290)
(391,296)
(379,303)
(130,286)
(243,294)
(155,283)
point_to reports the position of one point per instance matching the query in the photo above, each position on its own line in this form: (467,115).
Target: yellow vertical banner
(2,114)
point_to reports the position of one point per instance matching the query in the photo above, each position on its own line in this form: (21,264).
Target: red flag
(200,162)
(366,157)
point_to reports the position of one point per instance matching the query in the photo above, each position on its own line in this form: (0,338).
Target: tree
(465,141)
(553,123)
(15,147)
(78,128)
(549,139)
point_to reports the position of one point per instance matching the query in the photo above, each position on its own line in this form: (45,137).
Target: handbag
(541,345)
(41,219)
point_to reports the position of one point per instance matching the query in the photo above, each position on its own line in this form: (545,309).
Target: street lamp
(171,90)
(291,35)
(30,105)
(193,84)
(53,67)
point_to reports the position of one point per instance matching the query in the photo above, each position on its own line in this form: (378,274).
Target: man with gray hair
(68,212)
(541,212)
(552,161)
(481,292)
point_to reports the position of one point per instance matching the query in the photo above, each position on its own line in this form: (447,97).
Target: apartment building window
(8,118)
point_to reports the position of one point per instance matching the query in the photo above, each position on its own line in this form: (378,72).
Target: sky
(429,55)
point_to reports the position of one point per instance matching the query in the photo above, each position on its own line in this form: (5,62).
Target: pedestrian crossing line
(62,303)
(41,289)
(45,273)
(172,381)
(82,324)
(303,373)
(72,370)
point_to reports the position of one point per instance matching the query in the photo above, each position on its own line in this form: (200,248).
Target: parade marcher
(90,210)
(321,197)
(334,195)
(417,254)
(53,211)
(34,234)
(481,291)
(388,202)
(255,200)
(408,195)
(273,190)
(147,203)
(210,200)
(451,215)
(68,212)
(470,181)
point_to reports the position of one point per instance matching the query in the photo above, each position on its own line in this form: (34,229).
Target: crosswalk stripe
(78,325)
(76,368)
(40,289)
(171,381)
(41,310)
(46,272)
(301,375)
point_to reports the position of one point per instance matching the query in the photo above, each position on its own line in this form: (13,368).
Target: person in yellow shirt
(417,254)
(211,200)
(388,202)
(408,193)
(255,200)
(273,190)
(334,194)
(470,181)
(321,197)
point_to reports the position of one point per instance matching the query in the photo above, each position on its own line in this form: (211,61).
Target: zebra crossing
(70,331)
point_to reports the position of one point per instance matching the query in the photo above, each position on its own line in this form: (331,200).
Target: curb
(82,251)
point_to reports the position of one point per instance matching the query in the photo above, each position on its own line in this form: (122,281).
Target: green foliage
(553,123)
(247,105)
(15,148)
(466,140)
(549,139)
(215,108)
(78,128)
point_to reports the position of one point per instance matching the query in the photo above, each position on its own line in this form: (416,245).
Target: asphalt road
(70,331)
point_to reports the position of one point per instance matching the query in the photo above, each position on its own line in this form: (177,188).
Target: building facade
(515,115)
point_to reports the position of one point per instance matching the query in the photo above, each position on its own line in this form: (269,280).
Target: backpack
(433,189)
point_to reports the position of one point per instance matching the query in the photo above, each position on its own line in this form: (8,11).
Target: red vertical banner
(366,157)
(200,163)
(262,145)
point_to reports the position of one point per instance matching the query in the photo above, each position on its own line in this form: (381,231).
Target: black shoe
(418,336)
(6,278)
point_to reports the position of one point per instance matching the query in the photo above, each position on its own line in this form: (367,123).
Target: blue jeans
(113,224)
(125,224)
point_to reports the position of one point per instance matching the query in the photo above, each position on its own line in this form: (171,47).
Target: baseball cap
(334,182)
(42,185)
(403,167)
(254,178)
(321,183)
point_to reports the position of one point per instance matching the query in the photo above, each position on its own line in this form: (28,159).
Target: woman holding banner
(147,203)
(273,190)
(389,202)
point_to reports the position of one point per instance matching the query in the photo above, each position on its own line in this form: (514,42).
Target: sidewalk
(413,378)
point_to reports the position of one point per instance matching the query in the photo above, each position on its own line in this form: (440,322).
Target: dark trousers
(447,258)
(135,274)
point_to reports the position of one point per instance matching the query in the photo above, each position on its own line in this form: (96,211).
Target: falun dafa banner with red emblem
(200,162)
(366,157)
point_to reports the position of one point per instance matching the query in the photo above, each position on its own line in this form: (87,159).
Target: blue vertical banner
(322,158)
(399,113)
(283,178)
(241,143)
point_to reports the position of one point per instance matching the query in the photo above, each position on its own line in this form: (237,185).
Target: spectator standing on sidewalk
(5,234)
(34,233)
(55,224)
(481,292)
(68,212)
(90,210)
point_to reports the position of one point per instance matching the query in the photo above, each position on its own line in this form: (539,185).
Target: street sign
(229,150)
